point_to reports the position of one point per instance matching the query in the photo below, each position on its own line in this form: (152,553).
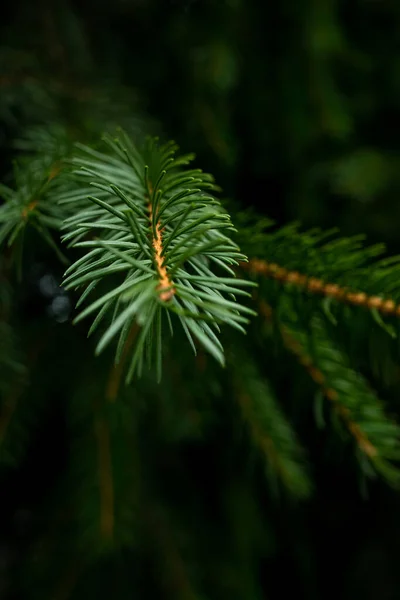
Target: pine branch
(342,270)
(329,392)
(351,398)
(269,430)
(314,285)
(156,225)
(31,203)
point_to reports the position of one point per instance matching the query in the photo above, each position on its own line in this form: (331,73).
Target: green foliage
(269,431)
(156,253)
(164,236)
(353,404)
(28,205)
(167,486)
(326,257)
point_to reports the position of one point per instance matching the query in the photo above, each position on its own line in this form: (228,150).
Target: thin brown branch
(319,378)
(318,286)
(166,286)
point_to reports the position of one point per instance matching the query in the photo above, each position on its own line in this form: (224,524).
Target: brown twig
(319,378)
(318,286)
(166,286)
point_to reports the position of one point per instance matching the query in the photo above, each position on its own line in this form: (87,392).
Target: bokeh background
(294,106)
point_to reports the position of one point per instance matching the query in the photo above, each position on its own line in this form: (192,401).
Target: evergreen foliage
(230,351)
(165,236)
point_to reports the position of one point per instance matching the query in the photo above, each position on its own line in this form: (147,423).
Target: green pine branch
(350,398)
(270,433)
(142,218)
(30,204)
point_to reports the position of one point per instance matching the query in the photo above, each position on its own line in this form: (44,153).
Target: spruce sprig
(140,215)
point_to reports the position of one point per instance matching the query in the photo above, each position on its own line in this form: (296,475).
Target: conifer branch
(329,392)
(167,240)
(269,430)
(30,203)
(318,286)
(351,398)
(263,441)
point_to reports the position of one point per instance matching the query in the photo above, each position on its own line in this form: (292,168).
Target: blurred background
(295,108)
